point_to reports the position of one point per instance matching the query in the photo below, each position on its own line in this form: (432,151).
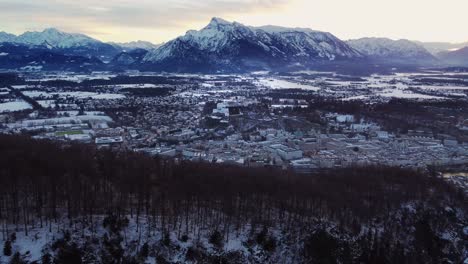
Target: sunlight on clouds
(158,20)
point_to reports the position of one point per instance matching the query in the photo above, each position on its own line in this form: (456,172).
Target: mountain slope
(67,43)
(457,57)
(20,56)
(225,46)
(136,45)
(7,37)
(193,212)
(436,47)
(129,58)
(55,38)
(392,51)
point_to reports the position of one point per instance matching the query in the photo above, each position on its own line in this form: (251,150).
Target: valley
(233,143)
(303,120)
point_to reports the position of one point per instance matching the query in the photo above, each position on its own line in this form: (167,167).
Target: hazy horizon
(160,21)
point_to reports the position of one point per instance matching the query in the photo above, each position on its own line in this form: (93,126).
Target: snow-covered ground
(77,95)
(59,120)
(358,97)
(20,87)
(283,84)
(47,103)
(396,93)
(40,239)
(37,94)
(441,87)
(97,96)
(129,86)
(14,106)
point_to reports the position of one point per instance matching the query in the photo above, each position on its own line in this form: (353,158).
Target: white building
(79,137)
(286,152)
(221,108)
(108,140)
(345,118)
(382,135)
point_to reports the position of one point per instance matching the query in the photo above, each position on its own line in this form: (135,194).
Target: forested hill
(76,204)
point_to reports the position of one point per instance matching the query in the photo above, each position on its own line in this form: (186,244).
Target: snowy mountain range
(128,46)
(55,38)
(388,50)
(455,57)
(7,37)
(224,46)
(127,58)
(72,44)
(233,47)
(40,57)
(437,47)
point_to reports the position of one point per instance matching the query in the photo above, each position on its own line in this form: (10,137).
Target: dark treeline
(28,99)
(120,79)
(10,79)
(437,81)
(149,92)
(48,182)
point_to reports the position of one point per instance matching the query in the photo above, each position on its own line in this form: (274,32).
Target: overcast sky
(159,21)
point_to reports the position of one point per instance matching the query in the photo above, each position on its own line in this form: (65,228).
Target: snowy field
(77,95)
(396,93)
(47,103)
(14,106)
(375,87)
(283,84)
(130,86)
(37,94)
(97,96)
(440,87)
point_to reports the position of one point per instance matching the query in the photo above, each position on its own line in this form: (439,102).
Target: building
(85,138)
(286,152)
(108,140)
(227,109)
(382,135)
(345,118)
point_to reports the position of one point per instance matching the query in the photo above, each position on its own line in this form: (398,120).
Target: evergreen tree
(216,239)
(7,248)
(46,259)
(17,259)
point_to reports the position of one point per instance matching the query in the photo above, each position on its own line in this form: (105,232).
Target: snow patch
(14,106)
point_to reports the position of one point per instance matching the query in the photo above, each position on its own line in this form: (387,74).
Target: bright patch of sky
(161,20)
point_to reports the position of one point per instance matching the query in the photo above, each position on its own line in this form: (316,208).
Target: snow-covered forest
(76,204)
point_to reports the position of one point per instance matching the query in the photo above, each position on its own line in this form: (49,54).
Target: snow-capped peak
(215,21)
(52,31)
(224,42)
(47,45)
(279,29)
(55,38)
(6,37)
(139,44)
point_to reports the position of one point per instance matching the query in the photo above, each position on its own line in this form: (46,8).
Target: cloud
(161,20)
(141,14)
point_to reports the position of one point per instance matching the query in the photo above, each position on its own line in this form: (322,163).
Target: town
(302,121)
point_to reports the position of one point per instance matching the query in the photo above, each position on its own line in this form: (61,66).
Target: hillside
(231,46)
(393,51)
(81,205)
(455,57)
